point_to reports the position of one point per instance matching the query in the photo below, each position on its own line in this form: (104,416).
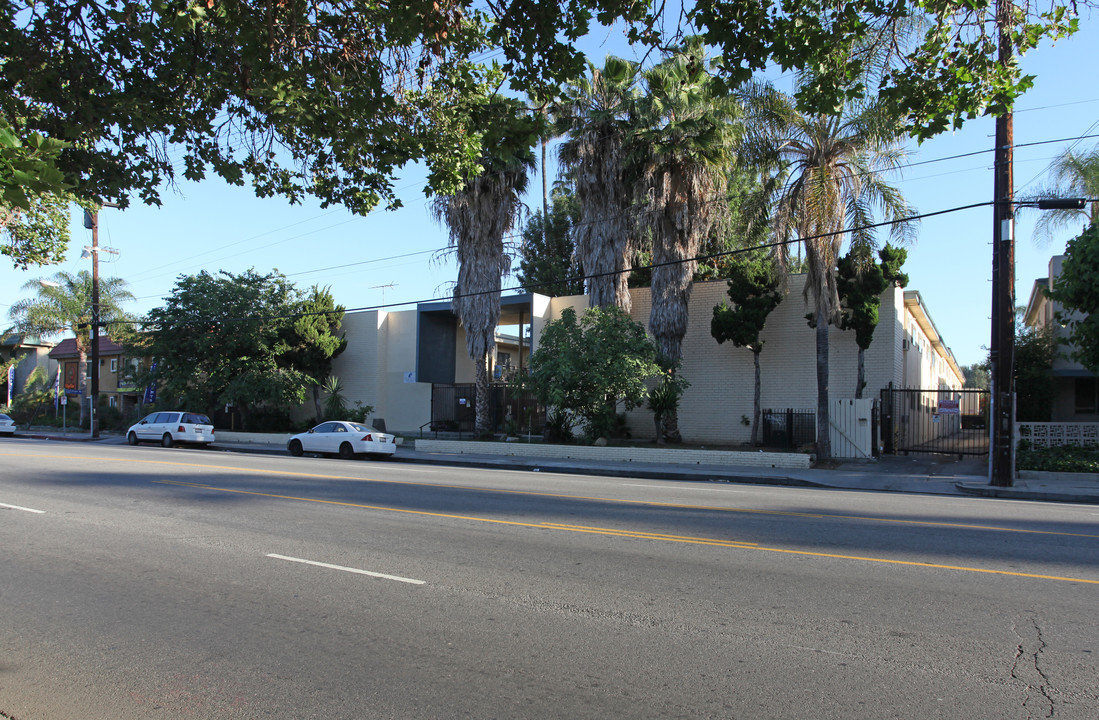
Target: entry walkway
(928,474)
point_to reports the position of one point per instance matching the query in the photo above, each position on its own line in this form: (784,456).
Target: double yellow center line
(716,542)
(591,530)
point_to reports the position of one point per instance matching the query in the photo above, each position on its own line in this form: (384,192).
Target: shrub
(558,427)
(585,367)
(359,414)
(1057,459)
(268,420)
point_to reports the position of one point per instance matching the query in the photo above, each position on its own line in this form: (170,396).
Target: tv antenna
(382,288)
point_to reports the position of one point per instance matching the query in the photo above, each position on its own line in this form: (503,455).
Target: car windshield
(195,419)
(4,417)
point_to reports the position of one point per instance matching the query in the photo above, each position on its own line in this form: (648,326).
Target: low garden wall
(675,456)
(249,438)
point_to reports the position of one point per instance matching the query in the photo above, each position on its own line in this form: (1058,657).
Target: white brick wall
(382,348)
(722,376)
(619,454)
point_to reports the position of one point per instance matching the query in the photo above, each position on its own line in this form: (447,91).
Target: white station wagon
(169,428)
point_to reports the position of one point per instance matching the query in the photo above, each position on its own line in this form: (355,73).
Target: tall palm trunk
(671,295)
(862,374)
(824,440)
(756,412)
(319,412)
(483,407)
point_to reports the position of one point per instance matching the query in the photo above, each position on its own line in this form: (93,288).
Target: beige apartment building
(393,358)
(1075,389)
(113,388)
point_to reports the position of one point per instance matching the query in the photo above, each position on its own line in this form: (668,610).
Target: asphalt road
(152,583)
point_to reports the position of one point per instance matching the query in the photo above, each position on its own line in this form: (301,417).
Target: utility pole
(1001,451)
(91,222)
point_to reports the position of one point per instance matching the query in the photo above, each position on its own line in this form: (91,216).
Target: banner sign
(150,391)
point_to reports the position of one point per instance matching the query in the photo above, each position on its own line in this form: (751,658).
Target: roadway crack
(1027,670)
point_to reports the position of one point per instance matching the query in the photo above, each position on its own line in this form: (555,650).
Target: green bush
(110,418)
(268,420)
(359,414)
(558,427)
(1057,459)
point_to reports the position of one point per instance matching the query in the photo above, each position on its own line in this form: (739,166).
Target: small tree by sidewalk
(755,289)
(585,367)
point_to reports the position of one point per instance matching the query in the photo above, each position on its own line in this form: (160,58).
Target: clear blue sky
(389,257)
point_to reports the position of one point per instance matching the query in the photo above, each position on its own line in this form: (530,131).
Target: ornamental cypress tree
(860,282)
(755,289)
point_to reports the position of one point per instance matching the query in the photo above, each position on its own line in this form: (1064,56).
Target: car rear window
(195,419)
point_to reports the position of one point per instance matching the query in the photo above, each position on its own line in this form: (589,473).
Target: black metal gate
(944,421)
(453,409)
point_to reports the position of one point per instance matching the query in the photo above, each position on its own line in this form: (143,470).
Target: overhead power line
(696,258)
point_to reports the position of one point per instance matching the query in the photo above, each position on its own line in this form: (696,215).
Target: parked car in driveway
(171,428)
(344,438)
(7,425)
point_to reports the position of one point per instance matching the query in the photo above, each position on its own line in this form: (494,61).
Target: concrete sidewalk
(929,474)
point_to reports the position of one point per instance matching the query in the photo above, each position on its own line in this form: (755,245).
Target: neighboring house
(393,358)
(31,353)
(1075,389)
(112,382)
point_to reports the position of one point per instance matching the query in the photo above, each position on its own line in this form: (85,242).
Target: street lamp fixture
(1060,203)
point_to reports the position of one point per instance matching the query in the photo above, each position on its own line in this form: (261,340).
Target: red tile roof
(67,348)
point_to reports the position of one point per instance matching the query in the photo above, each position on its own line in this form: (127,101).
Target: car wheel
(295,448)
(132,438)
(166,441)
(346,451)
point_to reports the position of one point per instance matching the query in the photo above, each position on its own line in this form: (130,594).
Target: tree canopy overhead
(330,98)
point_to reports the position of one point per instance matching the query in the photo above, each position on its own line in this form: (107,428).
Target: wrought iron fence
(453,409)
(789,428)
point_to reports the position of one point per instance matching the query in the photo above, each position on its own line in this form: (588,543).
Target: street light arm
(1060,203)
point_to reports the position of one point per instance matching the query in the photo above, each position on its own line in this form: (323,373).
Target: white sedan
(7,425)
(343,438)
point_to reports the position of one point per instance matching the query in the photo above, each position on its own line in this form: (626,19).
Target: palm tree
(478,217)
(1072,175)
(831,181)
(596,114)
(64,303)
(684,147)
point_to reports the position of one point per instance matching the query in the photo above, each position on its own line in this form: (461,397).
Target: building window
(112,401)
(114,364)
(1087,396)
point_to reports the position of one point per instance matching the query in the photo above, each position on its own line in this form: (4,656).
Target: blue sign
(150,391)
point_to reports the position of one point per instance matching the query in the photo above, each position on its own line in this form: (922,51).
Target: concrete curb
(681,473)
(1006,493)
(677,474)
(507,463)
